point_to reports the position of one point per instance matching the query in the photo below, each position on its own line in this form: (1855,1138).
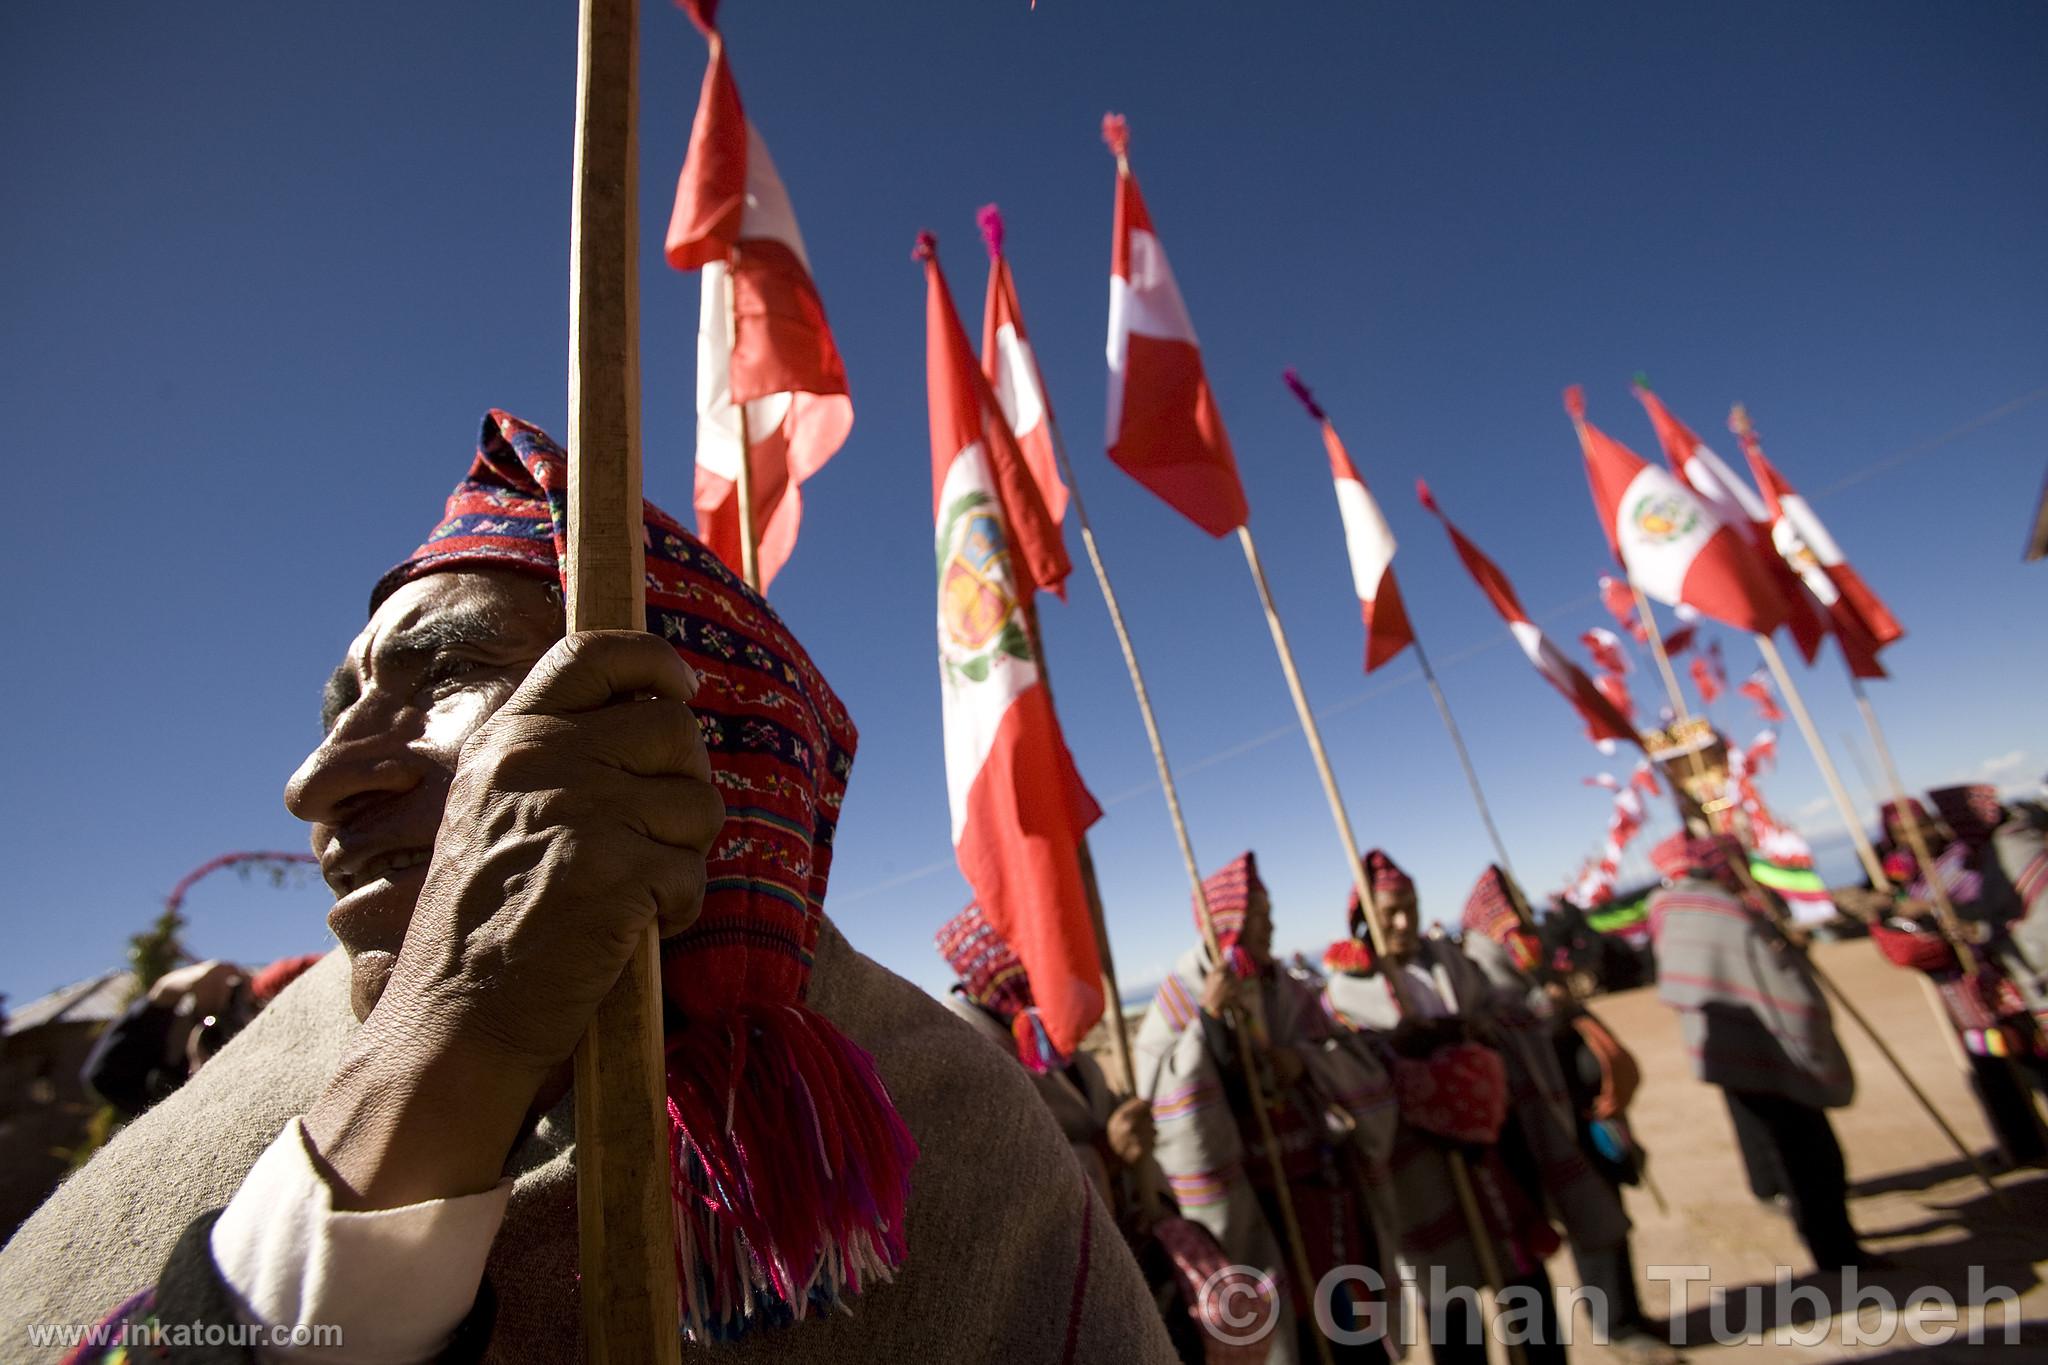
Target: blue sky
(266,265)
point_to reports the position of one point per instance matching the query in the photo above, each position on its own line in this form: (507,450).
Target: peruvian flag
(1862,623)
(733,222)
(1164,429)
(1674,547)
(1019,809)
(1369,541)
(1604,723)
(1732,500)
(1012,370)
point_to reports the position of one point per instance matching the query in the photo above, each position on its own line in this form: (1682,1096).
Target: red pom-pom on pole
(927,247)
(991,220)
(1300,390)
(1116,133)
(1575,402)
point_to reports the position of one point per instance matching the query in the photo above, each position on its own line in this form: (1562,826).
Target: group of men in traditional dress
(383,1163)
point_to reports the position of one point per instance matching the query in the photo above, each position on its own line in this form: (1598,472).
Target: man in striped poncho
(1756,1024)
(1328,1107)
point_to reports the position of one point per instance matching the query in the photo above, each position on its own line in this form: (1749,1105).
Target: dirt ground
(1912,1197)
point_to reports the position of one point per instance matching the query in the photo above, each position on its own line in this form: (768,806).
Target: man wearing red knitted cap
(389,1148)
(1756,1024)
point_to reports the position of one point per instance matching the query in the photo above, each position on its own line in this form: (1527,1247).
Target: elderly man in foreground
(500,811)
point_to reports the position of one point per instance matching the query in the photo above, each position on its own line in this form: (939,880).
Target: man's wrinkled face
(1404,925)
(436,660)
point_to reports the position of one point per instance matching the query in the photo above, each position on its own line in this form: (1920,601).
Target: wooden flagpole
(1291,1225)
(1871,865)
(1443,708)
(1868,855)
(1461,1180)
(624,1214)
(750,550)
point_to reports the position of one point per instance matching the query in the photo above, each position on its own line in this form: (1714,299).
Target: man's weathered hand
(1130,1131)
(1219,991)
(580,813)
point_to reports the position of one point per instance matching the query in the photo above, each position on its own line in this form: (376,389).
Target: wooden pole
(1291,1226)
(624,1216)
(1461,1181)
(1868,855)
(750,550)
(1443,708)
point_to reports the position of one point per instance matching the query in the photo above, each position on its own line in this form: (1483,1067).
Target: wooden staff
(1461,1180)
(1868,855)
(624,1214)
(1291,1226)
(750,550)
(1443,708)
(1741,868)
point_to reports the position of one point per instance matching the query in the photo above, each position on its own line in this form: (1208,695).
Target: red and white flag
(1604,723)
(1757,687)
(1605,647)
(1862,623)
(1621,605)
(1615,688)
(1019,808)
(1708,674)
(1733,501)
(1367,539)
(1164,429)
(1674,547)
(1012,369)
(733,222)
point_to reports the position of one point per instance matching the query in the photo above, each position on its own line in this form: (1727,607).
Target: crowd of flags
(773,401)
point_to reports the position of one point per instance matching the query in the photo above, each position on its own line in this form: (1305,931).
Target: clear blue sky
(266,265)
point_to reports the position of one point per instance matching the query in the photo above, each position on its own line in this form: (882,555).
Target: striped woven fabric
(1752,1016)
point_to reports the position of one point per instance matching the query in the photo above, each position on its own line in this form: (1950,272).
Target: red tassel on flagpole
(991,220)
(1116,134)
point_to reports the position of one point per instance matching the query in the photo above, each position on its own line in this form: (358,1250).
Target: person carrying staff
(1329,1111)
